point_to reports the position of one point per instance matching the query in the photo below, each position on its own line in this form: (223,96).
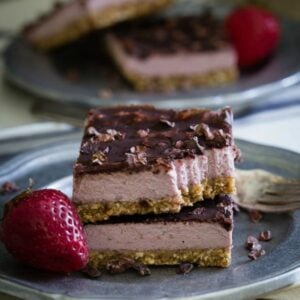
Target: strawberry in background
(254,33)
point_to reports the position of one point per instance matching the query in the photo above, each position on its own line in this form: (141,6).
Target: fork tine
(264,191)
(273,200)
(277,209)
(283,189)
(285,185)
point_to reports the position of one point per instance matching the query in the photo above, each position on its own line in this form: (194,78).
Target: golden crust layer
(105,18)
(212,78)
(126,11)
(93,212)
(219,257)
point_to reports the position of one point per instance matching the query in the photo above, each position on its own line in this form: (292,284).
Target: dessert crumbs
(184,268)
(8,187)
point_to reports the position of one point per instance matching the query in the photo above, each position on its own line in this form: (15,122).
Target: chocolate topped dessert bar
(177,52)
(201,234)
(139,160)
(69,21)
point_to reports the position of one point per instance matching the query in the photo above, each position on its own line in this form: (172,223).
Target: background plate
(78,73)
(52,166)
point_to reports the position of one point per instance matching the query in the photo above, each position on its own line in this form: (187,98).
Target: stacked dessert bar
(175,52)
(157,53)
(153,185)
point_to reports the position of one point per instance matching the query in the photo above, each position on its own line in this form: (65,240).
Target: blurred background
(21,107)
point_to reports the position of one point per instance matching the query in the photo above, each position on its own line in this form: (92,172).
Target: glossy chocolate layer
(142,137)
(217,210)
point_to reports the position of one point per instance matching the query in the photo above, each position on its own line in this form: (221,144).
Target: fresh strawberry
(42,229)
(254,33)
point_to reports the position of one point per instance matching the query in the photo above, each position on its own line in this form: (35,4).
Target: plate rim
(281,279)
(231,99)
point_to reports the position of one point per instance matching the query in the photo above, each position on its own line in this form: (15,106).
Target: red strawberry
(254,33)
(42,229)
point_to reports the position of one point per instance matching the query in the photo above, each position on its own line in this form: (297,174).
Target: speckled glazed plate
(51,166)
(80,74)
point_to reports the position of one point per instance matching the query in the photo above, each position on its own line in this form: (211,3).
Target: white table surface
(277,127)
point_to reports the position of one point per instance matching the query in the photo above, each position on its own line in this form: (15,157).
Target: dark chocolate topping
(218,210)
(112,139)
(175,34)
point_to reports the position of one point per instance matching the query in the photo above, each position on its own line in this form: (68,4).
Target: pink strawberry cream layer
(125,186)
(173,64)
(71,13)
(157,236)
(57,21)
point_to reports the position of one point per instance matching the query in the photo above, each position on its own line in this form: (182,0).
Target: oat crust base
(175,82)
(218,257)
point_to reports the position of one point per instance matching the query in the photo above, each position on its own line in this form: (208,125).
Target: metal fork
(266,192)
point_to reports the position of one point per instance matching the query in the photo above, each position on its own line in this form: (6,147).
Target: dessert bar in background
(173,53)
(201,235)
(139,160)
(67,22)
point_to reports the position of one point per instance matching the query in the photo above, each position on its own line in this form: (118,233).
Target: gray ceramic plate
(51,166)
(76,74)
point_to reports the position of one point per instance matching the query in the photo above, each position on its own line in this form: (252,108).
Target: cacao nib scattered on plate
(255,215)
(8,187)
(142,269)
(184,268)
(119,266)
(251,242)
(91,272)
(254,247)
(123,264)
(265,236)
(255,254)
